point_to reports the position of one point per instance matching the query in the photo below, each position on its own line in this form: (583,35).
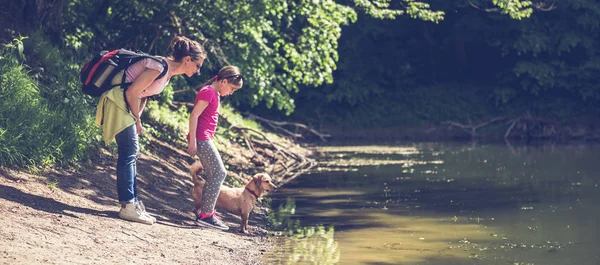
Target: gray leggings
(215,174)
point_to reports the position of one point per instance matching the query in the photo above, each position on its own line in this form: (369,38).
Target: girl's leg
(127,142)
(215,174)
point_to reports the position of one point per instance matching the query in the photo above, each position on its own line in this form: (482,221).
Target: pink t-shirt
(207,122)
(155,87)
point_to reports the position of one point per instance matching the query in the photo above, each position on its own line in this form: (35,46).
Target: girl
(123,124)
(203,121)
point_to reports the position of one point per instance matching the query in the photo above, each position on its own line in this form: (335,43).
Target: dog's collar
(252,192)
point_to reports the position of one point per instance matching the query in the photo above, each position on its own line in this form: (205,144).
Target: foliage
(277,44)
(165,124)
(35,130)
(280,46)
(472,65)
(516,9)
(558,52)
(229,116)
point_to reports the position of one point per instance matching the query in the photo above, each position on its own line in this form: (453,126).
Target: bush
(165,124)
(44,118)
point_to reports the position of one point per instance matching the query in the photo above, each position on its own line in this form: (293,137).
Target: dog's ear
(257,179)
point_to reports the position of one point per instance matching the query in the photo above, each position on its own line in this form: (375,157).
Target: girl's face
(192,67)
(228,88)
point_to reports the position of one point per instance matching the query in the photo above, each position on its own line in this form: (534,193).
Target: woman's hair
(230,72)
(182,47)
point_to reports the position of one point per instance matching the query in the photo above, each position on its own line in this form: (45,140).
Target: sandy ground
(60,217)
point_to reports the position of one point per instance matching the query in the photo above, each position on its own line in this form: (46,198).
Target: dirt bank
(70,216)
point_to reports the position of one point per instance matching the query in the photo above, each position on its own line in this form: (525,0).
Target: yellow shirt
(112,113)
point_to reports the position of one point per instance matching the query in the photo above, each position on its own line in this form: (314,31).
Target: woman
(121,121)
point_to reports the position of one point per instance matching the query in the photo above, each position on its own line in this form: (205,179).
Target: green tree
(475,64)
(556,52)
(278,44)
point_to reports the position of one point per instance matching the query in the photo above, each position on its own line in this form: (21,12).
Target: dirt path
(71,218)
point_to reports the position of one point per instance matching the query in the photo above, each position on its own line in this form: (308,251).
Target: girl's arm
(198,109)
(141,82)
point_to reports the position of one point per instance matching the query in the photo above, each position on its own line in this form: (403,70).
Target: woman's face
(192,67)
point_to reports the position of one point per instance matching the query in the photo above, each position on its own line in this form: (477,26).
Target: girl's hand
(138,127)
(192,149)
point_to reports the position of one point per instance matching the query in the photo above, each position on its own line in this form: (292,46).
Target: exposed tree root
(285,164)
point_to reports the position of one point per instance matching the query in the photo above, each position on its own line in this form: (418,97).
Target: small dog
(238,201)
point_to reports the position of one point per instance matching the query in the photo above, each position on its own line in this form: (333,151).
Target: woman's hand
(192,148)
(138,127)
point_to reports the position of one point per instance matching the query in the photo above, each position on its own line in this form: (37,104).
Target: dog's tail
(196,167)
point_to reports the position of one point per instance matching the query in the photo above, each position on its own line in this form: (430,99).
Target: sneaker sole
(204,224)
(151,218)
(141,221)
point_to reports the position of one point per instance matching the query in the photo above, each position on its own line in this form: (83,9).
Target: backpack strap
(165,67)
(126,85)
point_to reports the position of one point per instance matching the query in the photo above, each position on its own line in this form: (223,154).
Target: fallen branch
(534,126)
(244,129)
(472,129)
(248,142)
(278,125)
(187,104)
(184,90)
(512,123)
(292,164)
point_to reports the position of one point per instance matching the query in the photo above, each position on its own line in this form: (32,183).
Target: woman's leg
(135,191)
(128,149)
(215,174)
(127,142)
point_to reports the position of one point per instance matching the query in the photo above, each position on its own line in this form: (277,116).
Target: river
(442,203)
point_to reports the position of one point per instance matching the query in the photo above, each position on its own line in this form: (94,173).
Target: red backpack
(97,74)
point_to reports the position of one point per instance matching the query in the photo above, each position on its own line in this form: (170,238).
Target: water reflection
(448,204)
(300,245)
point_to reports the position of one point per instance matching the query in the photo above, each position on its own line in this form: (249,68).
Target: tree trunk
(27,15)
(49,13)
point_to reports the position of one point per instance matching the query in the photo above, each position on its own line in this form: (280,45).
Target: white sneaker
(143,208)
(132,212)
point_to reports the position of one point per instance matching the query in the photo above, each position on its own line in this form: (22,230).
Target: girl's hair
(230,72)
(182,47)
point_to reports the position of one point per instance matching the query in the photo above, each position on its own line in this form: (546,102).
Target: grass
(52,184)
(40,124)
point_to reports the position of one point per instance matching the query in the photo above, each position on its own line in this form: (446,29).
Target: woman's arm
(198,109)
(141,82)
(142,105)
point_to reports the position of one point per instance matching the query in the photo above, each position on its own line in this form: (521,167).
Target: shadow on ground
(163,184)
(48,205)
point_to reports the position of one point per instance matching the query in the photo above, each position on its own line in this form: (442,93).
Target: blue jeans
(128,147)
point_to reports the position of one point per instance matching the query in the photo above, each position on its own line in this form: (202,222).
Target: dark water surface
(442,204)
